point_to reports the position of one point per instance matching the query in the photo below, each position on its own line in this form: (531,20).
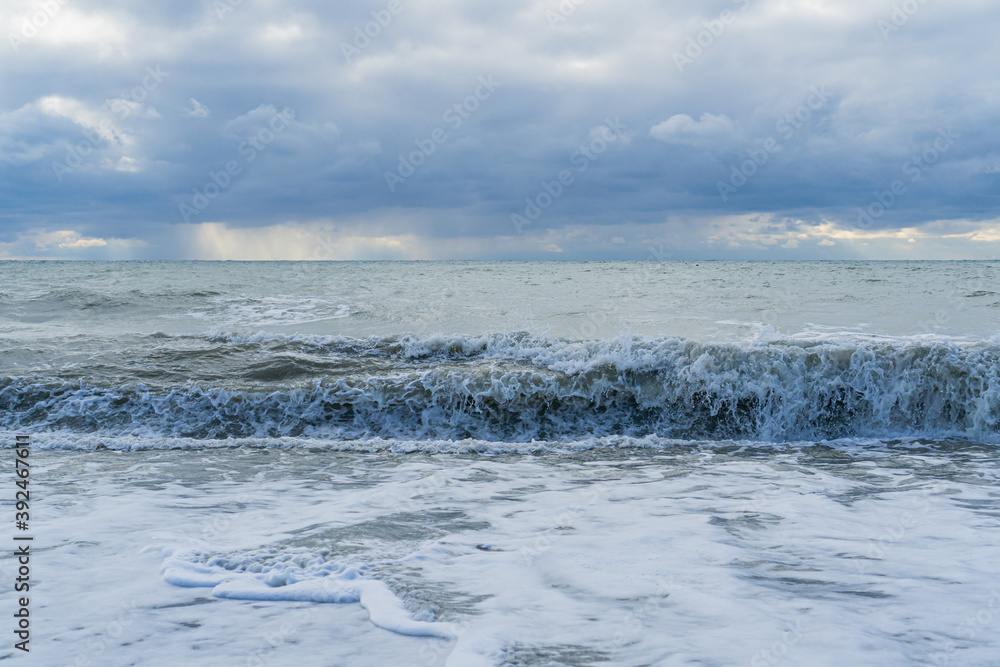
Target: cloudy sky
(625,129)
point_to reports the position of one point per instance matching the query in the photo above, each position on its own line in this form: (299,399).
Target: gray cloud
(151,103)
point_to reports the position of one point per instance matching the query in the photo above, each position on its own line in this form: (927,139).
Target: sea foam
(520,388)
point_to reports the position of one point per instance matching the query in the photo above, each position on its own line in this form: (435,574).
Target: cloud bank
(761,129)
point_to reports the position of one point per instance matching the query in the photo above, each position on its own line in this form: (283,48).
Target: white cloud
(195,109)
(130,109)
(83,115)
(255,119)
(67,243)
(84,243)
(114,123)
(281,33)
(60,24)
(124,163)
(707,130)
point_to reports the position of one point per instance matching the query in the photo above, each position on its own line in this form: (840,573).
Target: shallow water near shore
(824,554)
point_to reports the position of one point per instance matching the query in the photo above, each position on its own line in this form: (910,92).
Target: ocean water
(530,464)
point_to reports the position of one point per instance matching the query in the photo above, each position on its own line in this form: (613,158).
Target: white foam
(321,582)
(644,556)
(521,388)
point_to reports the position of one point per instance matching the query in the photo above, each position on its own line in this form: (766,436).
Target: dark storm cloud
(121,120)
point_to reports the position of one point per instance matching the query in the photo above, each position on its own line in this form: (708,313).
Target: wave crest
(518,388)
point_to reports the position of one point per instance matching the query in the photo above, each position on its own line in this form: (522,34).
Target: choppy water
(511,463)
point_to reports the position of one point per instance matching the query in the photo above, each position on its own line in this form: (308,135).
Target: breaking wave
(520,388)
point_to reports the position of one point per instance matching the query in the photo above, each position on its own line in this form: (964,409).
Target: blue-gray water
(509,463)
(501,352)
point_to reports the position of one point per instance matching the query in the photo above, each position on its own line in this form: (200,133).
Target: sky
(523,129)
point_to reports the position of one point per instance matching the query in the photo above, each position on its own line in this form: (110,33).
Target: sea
(504,463)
